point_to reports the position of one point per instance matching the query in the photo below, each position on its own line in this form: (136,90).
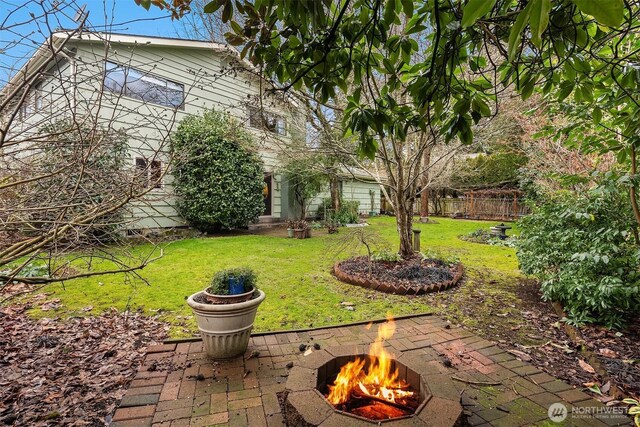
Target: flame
(379,380)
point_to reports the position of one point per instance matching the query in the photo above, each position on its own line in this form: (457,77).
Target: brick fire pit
(306,406)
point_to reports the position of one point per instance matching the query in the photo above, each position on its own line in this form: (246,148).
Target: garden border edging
(376,285)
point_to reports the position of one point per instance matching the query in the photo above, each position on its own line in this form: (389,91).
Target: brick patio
(177,386)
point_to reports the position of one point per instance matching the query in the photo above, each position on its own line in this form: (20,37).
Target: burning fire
(377,381)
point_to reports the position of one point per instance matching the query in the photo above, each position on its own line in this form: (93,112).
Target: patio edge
(286,331)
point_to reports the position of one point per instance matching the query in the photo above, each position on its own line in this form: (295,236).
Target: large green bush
(218,177)
(582,249)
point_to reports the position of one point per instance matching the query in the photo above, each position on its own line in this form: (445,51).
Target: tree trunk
(334,190)
(424,194)
(424,203)
(404,222)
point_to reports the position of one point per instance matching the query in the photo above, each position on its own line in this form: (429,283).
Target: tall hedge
(500,169)
(219,178)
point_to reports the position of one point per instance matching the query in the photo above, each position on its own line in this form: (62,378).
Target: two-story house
(145,86)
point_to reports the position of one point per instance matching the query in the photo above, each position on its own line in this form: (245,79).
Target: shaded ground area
(619,355)
(70,372)
(178,386)
(510,310)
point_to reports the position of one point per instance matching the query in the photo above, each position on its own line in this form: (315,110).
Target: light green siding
(211,79)
(351,190)
(359,191)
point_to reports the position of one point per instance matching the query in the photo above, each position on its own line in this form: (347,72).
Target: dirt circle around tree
(413,276)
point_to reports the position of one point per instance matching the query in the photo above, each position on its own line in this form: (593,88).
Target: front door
(266,192)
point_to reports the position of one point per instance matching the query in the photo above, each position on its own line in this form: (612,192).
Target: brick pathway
(177,386)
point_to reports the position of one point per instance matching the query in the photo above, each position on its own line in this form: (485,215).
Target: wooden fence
(474,207)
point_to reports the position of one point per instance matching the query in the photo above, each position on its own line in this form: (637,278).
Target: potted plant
(225,312)
(290,227)
(301,229)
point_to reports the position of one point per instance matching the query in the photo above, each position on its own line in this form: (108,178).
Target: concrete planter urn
(225,312)
(225,328)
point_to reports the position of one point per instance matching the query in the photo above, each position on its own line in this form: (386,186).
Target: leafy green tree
(423,67)
(588,66)
(219,179)
(320,45)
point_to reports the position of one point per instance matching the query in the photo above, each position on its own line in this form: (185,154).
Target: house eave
(43,52)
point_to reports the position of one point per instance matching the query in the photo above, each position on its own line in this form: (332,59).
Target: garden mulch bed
(618,354)
(68,372)
(595,356)
(413,276)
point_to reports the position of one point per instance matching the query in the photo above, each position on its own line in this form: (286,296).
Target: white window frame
(123,91)
(33,102)
(279,127)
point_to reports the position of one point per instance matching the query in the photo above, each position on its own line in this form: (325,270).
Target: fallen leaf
(586,367)
(61,368)
(606,352)
(520,355)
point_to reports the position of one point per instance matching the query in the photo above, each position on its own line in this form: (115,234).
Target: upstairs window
(137,84)
(32,102)
(264,120)
(149,172)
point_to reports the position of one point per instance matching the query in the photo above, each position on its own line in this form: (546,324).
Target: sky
(24,24)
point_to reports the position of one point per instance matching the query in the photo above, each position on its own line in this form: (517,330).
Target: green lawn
(295,274)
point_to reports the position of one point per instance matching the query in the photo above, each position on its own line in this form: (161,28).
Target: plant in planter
(301,229)
(290,227)
(231,285)
(225,312)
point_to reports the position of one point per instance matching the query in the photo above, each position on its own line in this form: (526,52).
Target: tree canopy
(471,47)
